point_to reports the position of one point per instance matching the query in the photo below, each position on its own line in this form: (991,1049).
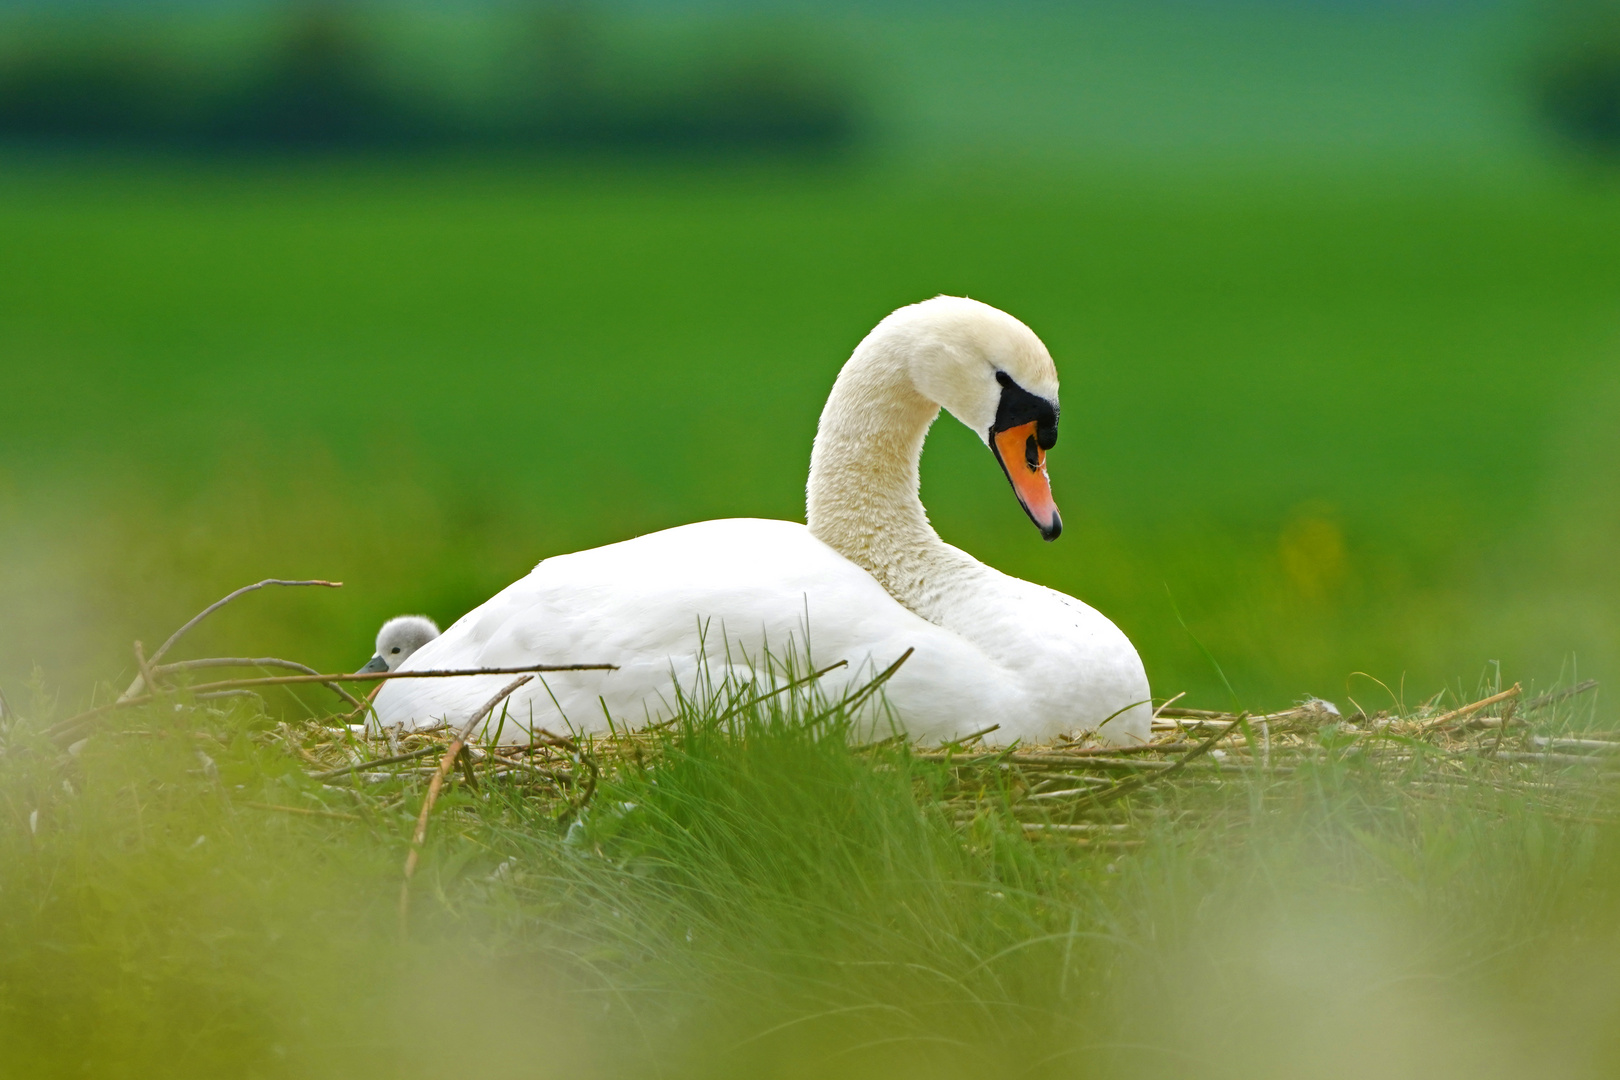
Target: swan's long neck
(862,496)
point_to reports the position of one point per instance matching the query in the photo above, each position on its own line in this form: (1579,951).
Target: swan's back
(719,593)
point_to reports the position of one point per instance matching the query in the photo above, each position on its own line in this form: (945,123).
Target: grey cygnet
(398,639)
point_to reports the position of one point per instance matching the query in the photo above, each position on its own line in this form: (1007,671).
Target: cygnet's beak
(1022,459)
(376,663)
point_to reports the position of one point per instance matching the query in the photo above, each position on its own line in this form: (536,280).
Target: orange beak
(1024,462)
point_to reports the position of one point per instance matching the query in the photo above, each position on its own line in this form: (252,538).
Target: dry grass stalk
(1160,710)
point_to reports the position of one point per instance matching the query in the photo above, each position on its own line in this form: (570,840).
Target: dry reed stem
(1441,721)
(445,763)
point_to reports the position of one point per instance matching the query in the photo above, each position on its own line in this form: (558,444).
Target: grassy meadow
(1339,416)
(1343,421)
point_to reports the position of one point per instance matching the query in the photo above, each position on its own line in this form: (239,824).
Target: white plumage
(868,577)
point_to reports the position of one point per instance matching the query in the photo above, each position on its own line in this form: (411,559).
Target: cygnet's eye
(395,649)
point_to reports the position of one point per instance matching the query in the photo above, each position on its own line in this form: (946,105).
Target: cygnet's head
(398,639)
(993,374)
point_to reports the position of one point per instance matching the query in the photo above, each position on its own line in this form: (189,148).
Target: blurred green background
(412,297)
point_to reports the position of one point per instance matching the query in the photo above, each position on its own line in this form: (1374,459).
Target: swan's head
(398,638)
(992,373)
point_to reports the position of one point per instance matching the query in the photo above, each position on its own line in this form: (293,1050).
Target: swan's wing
(676,607)
(1077,670)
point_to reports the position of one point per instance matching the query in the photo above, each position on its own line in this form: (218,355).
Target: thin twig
(364,706)
(375,763)
(69,726)
(256,661)
(434,785)
(217,604)
(374,676)
(135,687)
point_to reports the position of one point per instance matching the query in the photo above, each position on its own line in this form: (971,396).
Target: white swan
(868,573)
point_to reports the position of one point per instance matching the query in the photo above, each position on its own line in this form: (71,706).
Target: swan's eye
(395,649)
(1032,454)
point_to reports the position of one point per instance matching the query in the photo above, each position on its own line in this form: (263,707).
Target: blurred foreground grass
(750,895)
(1348,419)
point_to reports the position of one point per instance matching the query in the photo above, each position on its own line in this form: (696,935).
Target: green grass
(1349,421)
(757,897)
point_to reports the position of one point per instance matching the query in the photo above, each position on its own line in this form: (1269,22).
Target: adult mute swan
(868,575)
